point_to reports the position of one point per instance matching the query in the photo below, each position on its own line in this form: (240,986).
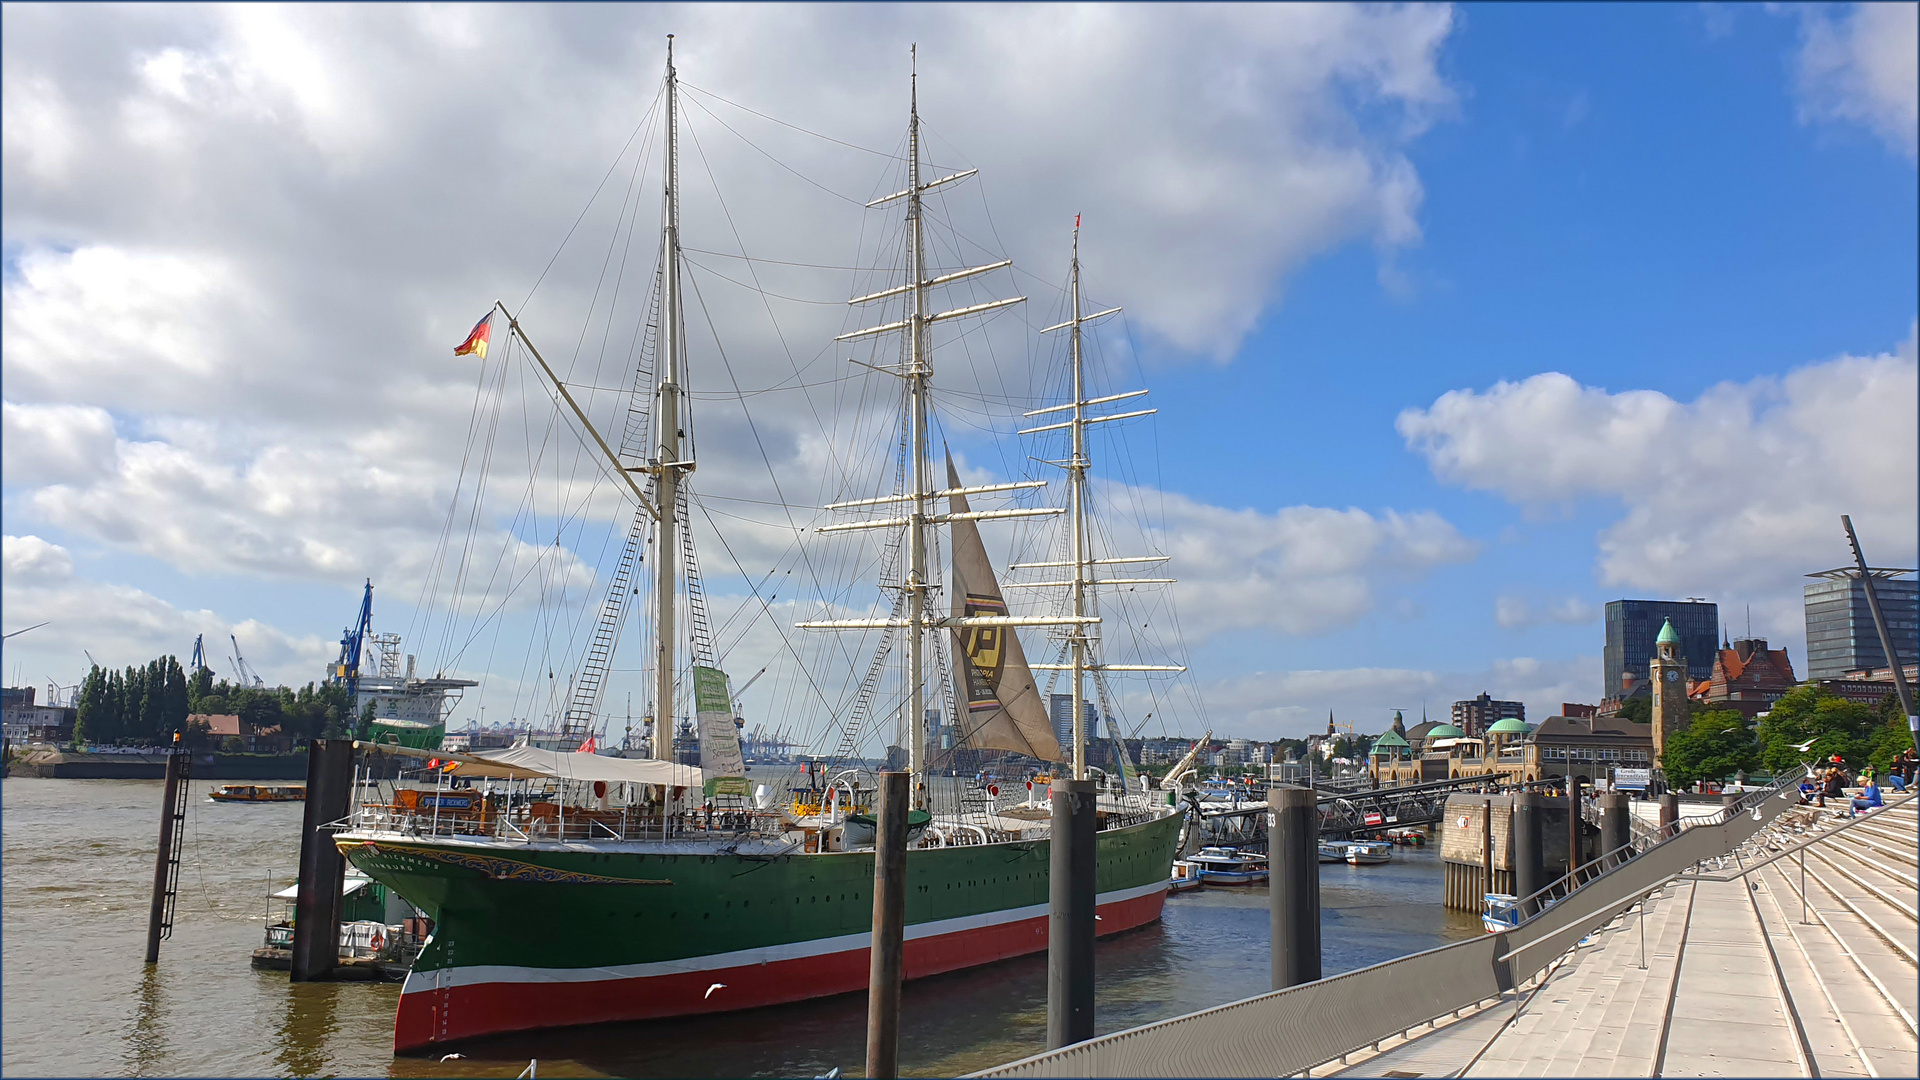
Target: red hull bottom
(431,1016)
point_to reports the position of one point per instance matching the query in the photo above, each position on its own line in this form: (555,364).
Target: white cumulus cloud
(1733,495)
(1860,64)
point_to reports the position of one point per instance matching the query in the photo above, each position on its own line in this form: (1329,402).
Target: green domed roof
(1510,726)
(1389,738)
(1668,636)
(1444,731)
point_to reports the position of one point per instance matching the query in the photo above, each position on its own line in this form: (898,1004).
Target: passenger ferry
(258,793)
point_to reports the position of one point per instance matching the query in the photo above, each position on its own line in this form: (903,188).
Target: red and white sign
(1374,818)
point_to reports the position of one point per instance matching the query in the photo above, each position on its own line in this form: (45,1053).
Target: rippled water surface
(77,1000)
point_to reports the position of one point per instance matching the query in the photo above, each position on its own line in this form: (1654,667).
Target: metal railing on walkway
(1293,1030)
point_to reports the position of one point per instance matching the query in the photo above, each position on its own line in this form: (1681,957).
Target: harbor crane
(199,654)
(347,668)
(738,694)
(248,677)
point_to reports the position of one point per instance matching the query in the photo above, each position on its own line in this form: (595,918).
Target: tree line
(147,705)
(1717,743)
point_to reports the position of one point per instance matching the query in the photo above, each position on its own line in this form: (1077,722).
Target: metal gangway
(1345,812)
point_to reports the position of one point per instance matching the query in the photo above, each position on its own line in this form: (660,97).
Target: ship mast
(1082,583)
(921,518)
(1077,510)
(667,465)
(917,373)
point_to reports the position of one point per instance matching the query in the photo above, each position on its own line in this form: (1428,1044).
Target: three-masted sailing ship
(576,888)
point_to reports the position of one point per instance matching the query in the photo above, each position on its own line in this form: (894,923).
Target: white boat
(1369,852)
(1502,912)
(1229,866)
(1334,851)
(1186,875)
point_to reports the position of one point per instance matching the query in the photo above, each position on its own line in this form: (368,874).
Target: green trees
(147,705)
(1832,724)
(138,705)
(1714,746)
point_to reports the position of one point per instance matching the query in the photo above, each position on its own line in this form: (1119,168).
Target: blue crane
(199,653)
(347,669)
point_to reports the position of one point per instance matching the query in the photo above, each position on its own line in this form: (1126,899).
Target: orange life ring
(378,942)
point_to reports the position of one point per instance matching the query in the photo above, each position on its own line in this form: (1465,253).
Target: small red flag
(586,747)
(433,763)
(476,342)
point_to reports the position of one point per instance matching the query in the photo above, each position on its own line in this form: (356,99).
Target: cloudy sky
(1460,322)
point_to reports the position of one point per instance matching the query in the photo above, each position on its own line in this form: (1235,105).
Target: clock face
(1673,674)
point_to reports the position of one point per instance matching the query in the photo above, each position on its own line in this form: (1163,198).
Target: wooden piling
(160,913)
(1071,901)
(1529,861)
(887,963)
(316,923)
(1293,884)
(1615,829)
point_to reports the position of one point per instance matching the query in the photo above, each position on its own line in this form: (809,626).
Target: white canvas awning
(526,762)
(530,761)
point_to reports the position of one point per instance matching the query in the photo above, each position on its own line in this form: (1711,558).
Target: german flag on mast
(476,342)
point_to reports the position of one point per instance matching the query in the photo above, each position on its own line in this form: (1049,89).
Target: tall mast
(668,463)
(917,372)
(1082,583)
(1077,482)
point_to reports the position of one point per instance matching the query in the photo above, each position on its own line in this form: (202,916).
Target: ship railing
(548,821)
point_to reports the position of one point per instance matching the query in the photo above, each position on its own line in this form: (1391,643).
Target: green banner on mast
(723,770)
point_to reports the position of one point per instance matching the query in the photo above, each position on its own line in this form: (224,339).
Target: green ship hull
(539,935)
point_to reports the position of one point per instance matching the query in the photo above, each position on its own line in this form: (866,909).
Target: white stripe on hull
(443,978)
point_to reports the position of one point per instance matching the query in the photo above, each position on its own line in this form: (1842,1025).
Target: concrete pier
(1463,850)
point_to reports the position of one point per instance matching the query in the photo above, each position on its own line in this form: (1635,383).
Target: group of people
(1833,781)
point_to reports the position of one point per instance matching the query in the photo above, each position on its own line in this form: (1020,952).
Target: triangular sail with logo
(1002,708)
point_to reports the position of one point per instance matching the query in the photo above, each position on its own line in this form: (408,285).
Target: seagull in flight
(711,989)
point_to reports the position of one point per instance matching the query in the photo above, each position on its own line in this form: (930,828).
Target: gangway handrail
(1726,814)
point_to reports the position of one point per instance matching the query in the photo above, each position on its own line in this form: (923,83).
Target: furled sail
(1002,708)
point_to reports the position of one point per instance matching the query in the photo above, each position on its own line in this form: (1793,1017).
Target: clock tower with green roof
(1668,670)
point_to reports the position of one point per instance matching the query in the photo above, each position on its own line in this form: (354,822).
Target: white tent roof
(521,762)
(531,761)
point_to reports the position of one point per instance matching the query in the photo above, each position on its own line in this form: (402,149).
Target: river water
(77,857)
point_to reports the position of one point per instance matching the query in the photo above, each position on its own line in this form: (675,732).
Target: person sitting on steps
(1869,796)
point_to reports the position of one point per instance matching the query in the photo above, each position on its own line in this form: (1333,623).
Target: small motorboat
(258,793)
(1334,851)
(1229,866)
(1502,912)
(1185,876)
(1369,852)
(1407,837)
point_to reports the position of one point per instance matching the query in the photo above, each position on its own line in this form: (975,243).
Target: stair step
(1876,1028)
(1828,1035)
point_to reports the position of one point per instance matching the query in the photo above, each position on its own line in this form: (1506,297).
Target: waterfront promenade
(1734,978)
